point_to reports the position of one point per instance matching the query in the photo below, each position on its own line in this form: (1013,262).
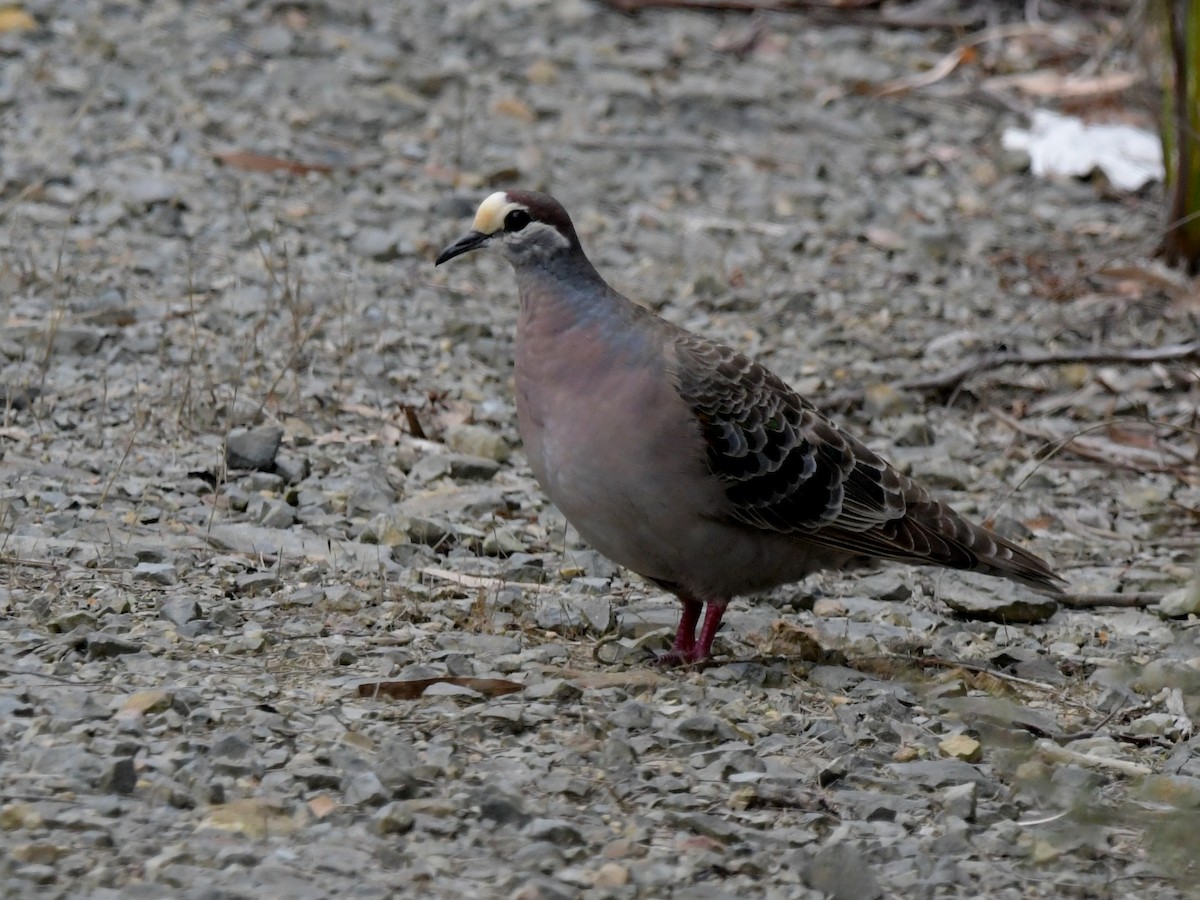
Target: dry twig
(951,380)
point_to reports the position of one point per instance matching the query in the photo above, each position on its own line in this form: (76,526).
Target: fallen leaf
(940,70)
(481,581)
(514,109)
(412,689)
(962,746)
(1056,84)
(252,817)
(139,703)
(321,805)
(1131,438)
(13,18)
(884,238)
(631,678)
(258,162)
(792,641)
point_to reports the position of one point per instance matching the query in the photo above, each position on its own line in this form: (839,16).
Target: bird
(686,461)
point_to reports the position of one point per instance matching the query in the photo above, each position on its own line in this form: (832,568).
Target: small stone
(1179,791)
(292,469)
(470,468)
(500,541)
(19,815)
(840,871)
(68,622)
(394,818)
(501,807)
(883,399)
(962,746)
(828,608)
(253,448)
(377,244)
(120,777)
(106,646)
(277,514)
(475,440)
(1044,852)
(1181,603)
(155,573)
(1167,673)
(148,190)
(180,610)
(252,584)
(39,874)
(959,800)
(554,831)
(37,852)
(384,528)
(364,789)
(992,600)
(252,817)
(611,875)
(554,689)
(140,703)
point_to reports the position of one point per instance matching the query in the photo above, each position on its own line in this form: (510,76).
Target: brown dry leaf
(13,18)
(139,703)
(883,238)
(1132,438)
(258,162)
(541,71)
(633,678)
(484,582)
(1057,84)
(321,806)
(337,436)
(514,109)
(940,70)
(792,641)
(454,412)
(252,817)
(412,689)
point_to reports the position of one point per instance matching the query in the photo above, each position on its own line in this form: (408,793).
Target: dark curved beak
(472,240)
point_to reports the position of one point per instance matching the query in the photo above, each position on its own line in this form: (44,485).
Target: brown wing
(787,468)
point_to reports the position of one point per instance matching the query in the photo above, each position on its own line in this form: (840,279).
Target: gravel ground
(257,456)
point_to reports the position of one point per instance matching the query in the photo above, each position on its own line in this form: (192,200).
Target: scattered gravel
(257,456)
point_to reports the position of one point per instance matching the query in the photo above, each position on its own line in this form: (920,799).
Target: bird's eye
(516,220)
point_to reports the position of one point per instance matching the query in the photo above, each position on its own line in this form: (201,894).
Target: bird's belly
(615,467)
(632,482)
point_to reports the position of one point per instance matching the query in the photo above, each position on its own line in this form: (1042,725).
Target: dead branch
(951,380)
(1109,453)
(1140,599)
(848,12)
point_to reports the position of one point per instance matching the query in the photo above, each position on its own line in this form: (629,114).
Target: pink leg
(687,648)
(712,622)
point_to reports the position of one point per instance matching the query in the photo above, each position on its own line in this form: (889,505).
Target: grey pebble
(155,572)
(180,610)
(840,872)
(253,448)
(106,646)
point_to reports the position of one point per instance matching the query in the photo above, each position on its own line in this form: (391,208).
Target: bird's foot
(678,657)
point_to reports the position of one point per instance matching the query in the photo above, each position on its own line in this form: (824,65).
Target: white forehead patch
(490,217)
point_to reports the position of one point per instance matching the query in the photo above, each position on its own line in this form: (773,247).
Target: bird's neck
(565,292)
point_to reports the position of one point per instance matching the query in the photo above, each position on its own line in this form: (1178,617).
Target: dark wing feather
(789,469)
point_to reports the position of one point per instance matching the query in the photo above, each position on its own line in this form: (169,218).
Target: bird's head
(526,226)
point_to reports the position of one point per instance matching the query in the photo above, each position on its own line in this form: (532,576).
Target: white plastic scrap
(1063,145)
